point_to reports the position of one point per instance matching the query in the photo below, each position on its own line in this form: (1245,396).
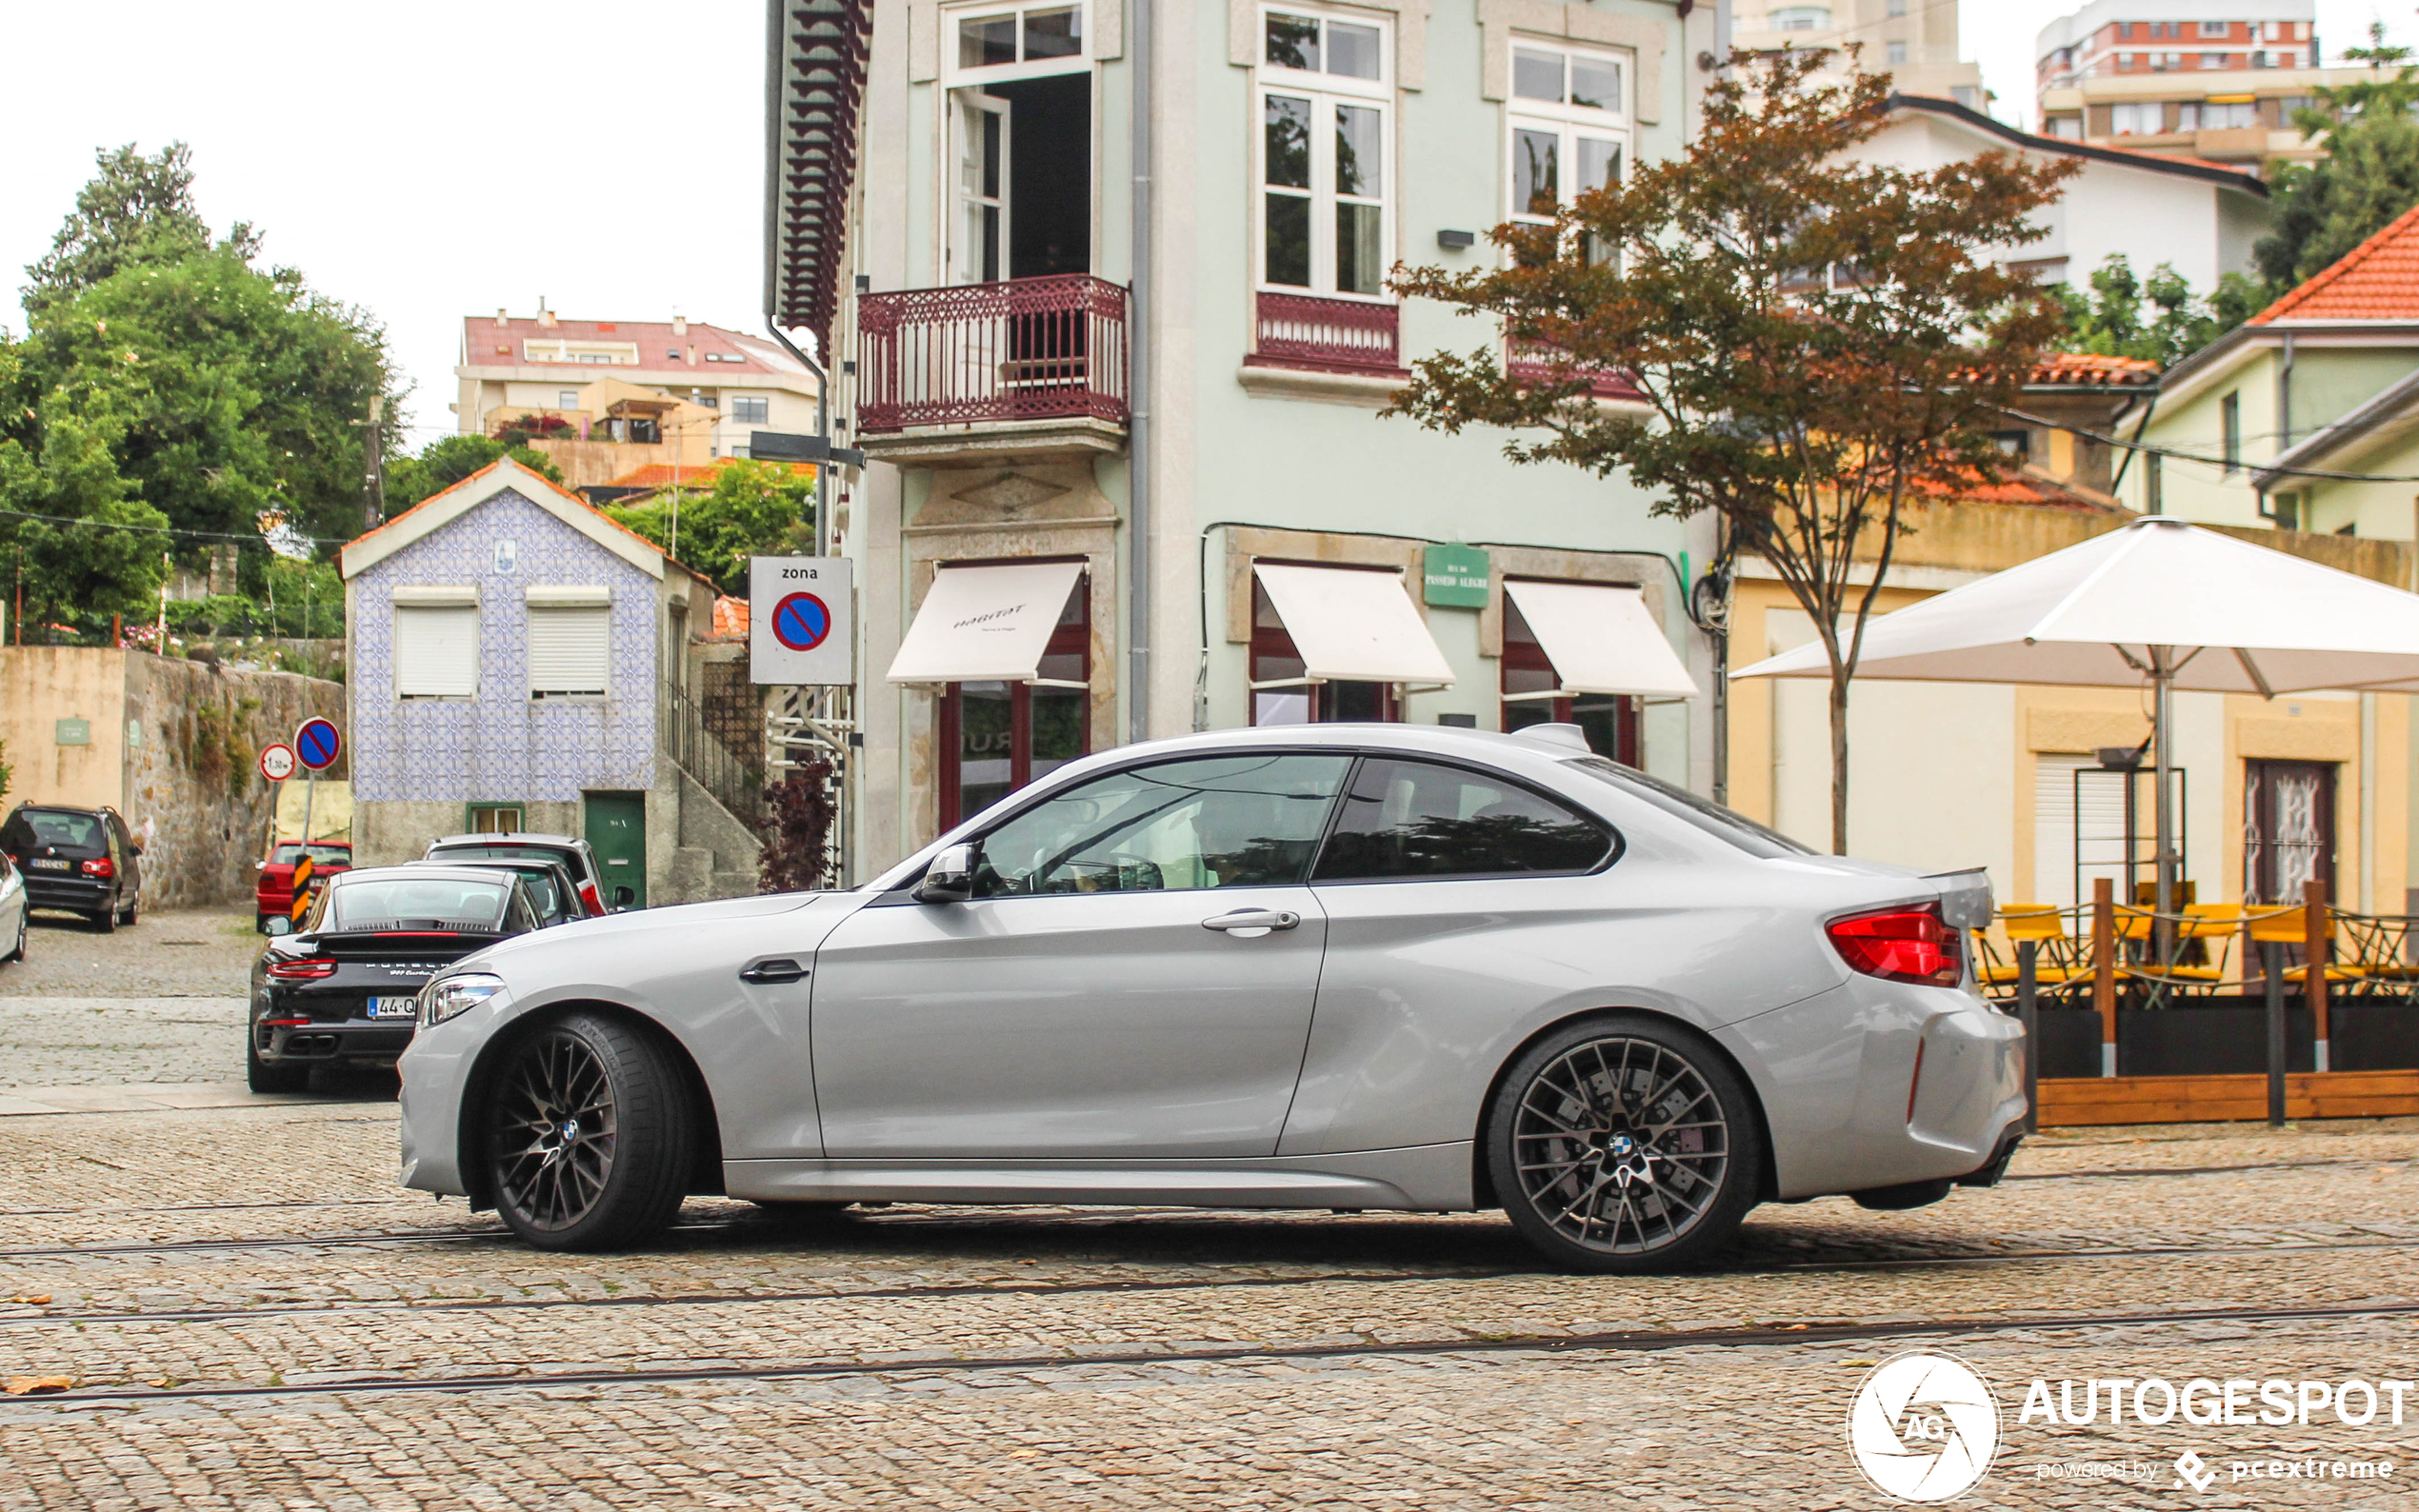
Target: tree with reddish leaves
(797,831)
(1806,337)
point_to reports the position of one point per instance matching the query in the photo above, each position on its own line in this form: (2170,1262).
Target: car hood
(623,927)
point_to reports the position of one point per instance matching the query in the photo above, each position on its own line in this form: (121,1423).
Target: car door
(1458,899)
(1134,977)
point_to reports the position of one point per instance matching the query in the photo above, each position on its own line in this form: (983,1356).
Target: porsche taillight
(310,968)
(1901,945)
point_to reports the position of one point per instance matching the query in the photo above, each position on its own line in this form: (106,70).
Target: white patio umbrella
(2158,602)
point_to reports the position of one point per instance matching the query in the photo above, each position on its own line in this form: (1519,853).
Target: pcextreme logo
(1923,1426)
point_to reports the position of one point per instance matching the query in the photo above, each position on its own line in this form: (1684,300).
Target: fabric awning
(1601,639)
(985,623)
(1353,627)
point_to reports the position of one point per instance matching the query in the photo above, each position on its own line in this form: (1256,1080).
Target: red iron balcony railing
(1533,361)
(1027,349)
(1329,336)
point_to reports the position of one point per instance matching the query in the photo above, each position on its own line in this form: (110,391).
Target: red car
(275,897)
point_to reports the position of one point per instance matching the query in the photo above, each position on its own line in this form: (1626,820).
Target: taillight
(310,969)
(588,895)
(1901,945)
(99,868)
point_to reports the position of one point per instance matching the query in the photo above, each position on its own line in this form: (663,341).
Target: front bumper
(1878,1085)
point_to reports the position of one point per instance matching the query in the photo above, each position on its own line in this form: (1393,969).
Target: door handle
(781,969)
(1252,922)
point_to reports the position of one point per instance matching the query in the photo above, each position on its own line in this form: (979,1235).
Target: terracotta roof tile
(656,474)
(730,618)
(2074,368)
(2377,280)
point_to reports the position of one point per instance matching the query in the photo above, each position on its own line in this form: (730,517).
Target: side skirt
(1419,1178)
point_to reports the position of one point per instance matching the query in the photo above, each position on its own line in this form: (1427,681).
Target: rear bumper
(50,890)
(377,1041)
(1878,1084)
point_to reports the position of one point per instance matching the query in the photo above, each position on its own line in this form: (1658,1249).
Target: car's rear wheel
(1624,1145)
(106,920)
(272,1076)
(132,913)
(589,1139)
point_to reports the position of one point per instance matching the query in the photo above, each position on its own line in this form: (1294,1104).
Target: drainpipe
(822,427)
(2285,398)
(1138,46)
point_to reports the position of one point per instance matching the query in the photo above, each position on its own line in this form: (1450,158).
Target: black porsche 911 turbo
(342,990)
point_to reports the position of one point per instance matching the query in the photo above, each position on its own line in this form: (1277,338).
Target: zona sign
(316,744)
(277,762)
(801,621)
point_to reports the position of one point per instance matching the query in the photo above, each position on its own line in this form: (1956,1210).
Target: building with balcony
(604,397)
(1111,329)
(2177,78)
(1914,43)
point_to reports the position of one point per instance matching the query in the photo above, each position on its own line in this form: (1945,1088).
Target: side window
(1219,821)
(1416,819)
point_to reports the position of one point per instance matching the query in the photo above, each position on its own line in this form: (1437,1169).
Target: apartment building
(1127,475)
(603,397)
(2184,78)
(1913,41)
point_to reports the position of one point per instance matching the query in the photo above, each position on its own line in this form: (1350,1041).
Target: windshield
(286,855)
(73,830)
(418,902)
(1702,814)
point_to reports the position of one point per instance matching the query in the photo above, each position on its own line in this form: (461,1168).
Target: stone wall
(193,793)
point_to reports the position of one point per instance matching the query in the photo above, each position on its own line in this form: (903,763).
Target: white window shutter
(436,651)
(571,648)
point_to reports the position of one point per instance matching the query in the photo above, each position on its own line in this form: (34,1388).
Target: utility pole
(373,465)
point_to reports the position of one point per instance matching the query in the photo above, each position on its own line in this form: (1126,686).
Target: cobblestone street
(252,1316)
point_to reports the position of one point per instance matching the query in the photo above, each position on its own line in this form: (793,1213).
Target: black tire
(105,921)
(132,913)
(25,930)
(272,1076)
(1625,1144)
(590,1137)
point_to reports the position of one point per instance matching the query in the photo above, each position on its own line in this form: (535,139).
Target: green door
(618,832)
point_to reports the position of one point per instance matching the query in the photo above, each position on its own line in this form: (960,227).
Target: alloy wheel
(555,1130)
(1621,1146)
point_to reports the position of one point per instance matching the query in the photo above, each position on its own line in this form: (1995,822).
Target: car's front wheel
(590,1137)
(1624,1144)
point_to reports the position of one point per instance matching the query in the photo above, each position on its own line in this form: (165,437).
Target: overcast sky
(445,158)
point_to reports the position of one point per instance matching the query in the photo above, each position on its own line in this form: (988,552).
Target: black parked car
(342,989)
(79,860)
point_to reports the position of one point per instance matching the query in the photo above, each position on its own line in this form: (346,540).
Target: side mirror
(279,924)
(950,879)
(260,865)
(625,895)
(135,847)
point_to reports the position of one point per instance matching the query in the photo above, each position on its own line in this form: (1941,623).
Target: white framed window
(566,398)
(1326,145)
(1803,18)
(436,643)
(2214,28)
(996,42)
(1896,52)
(1568,128)
(753,410)
(571,642)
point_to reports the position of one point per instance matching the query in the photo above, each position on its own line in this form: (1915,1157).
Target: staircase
(721,806)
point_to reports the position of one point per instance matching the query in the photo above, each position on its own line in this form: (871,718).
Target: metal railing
(1329,336)
(1535,362)
(736,783)
(1026,349)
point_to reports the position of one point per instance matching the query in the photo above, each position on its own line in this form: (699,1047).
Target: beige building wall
(41,686)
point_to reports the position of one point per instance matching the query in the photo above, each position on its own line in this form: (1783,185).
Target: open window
(1020,142)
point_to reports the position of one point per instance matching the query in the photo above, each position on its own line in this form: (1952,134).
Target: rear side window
(1419,819)
(1704,814)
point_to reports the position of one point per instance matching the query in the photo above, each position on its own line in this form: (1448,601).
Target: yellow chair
(2056,963)
(2201,921)
(2269,924)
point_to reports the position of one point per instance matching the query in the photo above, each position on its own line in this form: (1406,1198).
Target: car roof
(509,837)
(416,871)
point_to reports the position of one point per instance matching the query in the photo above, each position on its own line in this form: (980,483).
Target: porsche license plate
(393,1007)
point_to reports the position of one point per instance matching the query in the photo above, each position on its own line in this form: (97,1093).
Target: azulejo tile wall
(499,745)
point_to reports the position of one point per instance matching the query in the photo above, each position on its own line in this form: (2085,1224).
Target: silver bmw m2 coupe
(1342,966)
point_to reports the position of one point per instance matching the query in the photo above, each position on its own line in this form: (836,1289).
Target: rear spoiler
(1964,897)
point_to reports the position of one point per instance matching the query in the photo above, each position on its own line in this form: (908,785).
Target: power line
(2238,465)
(166,529)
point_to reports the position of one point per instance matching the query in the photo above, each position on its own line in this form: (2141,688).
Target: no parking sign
(801,620)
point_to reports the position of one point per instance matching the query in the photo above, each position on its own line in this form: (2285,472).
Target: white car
(1355,966)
